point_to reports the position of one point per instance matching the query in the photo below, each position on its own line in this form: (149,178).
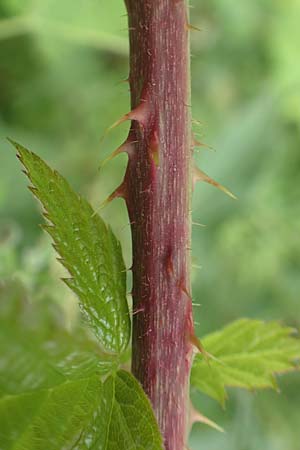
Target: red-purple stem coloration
(157,189)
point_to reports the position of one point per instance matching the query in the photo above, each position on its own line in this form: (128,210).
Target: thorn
(184,290)
(139,114)
(195,341)
(196,266)
(190,27)
(196,416)
(199,175)
(126,147)
(120,192)
(197,143)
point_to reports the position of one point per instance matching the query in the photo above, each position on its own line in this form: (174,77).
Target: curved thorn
(139,114)
(196,416)
(120,192)
(126,147)
(110,157)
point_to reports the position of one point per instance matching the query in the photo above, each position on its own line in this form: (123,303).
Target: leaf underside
(89,251)
(59,392)
(246,354)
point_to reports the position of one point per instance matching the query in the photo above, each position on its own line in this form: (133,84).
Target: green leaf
(75,414)
(89,251)
(52,393)
(133,424)
(82,414)
(37,351)
(245,354)
(29,361)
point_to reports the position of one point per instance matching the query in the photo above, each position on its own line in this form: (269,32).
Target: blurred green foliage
(61,63)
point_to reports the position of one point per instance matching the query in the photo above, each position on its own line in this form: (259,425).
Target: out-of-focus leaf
(72,415)
(27,362)
(245,354)
(36,350)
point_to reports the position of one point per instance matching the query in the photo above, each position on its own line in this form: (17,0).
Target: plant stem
(157,190)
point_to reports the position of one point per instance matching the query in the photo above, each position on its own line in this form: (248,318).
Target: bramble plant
(72,389)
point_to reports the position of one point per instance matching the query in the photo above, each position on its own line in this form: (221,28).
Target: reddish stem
(157,189)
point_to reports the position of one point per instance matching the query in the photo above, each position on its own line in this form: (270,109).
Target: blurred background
(62,63)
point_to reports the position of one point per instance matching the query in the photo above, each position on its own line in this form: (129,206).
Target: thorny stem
(157,190)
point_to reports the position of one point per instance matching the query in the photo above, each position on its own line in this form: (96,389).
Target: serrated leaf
(52,393)
(73,415)
(28,362)
(80,415)
(246,354)
(89,251)
(133,424)
(36,351)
